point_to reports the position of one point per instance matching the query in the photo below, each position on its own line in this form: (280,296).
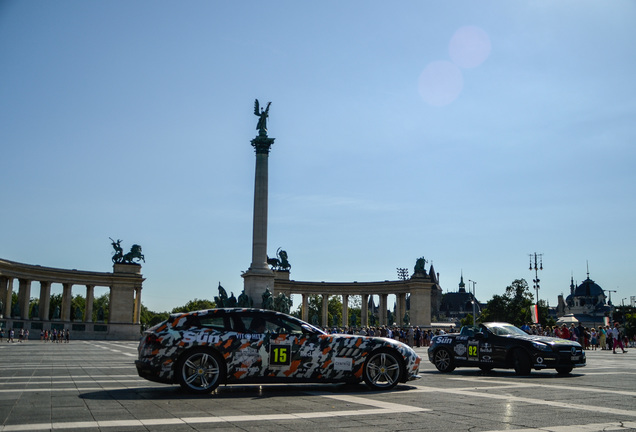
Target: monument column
(345,310)
(90,297)
(6,293)
(325,310)
(67,299)
(364,311)
(305,308)
(45,300)
(24,297)
(382,311)
(259,277)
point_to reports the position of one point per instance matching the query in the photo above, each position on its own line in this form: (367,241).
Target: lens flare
(440,83)
(469,47)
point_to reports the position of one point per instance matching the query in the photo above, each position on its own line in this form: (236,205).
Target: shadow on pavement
(236,391)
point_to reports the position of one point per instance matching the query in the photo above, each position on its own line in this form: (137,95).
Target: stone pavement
(93,385)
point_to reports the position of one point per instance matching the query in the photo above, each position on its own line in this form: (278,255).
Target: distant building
(587,302)
(457,305)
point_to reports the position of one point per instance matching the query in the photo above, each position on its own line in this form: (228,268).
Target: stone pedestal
(255,282)
(122,300)
(420,312)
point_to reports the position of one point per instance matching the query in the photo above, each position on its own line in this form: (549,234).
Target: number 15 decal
(280,355)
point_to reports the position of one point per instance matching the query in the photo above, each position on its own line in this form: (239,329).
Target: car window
(214,322)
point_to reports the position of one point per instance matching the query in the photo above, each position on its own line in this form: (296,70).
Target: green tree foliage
(314,306)
(512,307)
(194,305)
(467,320)
(149,318)
(101,303)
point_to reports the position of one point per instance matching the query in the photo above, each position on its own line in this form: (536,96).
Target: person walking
(617,339)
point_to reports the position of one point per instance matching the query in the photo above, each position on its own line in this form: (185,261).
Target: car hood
(548,340)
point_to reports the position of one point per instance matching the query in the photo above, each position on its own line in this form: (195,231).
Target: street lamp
(537,267)
(474,304)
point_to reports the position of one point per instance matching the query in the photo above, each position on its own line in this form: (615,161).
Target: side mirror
(307,329)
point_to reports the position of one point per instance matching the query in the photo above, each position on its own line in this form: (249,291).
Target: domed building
(587,302)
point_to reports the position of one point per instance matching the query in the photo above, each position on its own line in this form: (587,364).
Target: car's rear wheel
(443,360)
(521,362)
(564,370)
(382,370)
(200,371)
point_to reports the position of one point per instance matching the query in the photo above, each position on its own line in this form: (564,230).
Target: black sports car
(200,350)
(502,345)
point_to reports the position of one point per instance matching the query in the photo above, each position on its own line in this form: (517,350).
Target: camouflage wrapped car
(200,350)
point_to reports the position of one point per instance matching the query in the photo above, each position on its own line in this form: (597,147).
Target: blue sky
(470,133)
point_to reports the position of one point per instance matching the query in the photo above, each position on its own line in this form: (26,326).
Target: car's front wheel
(200,371)
(521,362)
(443,360)
(382,370)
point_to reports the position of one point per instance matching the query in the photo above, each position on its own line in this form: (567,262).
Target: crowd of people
(45,335)
(412,335)
(590,338)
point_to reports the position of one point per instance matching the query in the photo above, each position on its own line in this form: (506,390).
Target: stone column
(45,300)
(382,309)
(90,298)
(364,311)
(305,308)
(259,277)
(325,310)
(137,317)
(24,297)
(401,304)
(6,293)
(67,301)
(345,310)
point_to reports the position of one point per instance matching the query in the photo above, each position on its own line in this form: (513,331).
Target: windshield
(506,330)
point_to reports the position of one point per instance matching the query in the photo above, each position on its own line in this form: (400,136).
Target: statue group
(119,257)
(280,303)
(280,263)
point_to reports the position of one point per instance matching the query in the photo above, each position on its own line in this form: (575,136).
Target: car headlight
(541,346)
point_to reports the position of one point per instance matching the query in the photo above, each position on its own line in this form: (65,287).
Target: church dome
(588,289)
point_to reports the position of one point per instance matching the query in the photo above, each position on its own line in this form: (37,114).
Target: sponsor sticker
(343,364)
(460,349)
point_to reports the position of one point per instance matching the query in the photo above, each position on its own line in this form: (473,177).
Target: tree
(314,307)
(513,306)
(149,318)
(101,303)
(194,305)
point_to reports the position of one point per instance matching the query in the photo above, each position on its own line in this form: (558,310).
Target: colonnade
(364,318)
(424,291)
(124,284)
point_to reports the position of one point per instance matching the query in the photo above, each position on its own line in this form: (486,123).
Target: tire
(200,371)
(382,370)
(443,360)
(564,370)
(521,362)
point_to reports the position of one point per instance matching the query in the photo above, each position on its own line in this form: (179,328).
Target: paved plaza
(93,385)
